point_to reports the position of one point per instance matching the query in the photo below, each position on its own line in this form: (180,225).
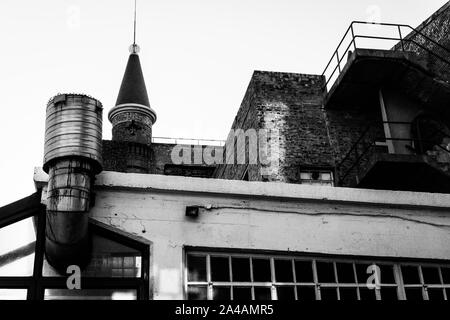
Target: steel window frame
(273,284)
(37,283)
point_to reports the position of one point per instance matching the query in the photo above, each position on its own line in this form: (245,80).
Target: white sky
(197,56)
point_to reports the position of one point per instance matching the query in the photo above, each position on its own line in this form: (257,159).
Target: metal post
(353,36)
(338,61)
(401,38)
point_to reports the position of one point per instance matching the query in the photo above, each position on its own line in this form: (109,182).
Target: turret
(132,117)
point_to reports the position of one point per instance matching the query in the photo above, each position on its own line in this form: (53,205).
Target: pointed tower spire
(132,117)
(133,89)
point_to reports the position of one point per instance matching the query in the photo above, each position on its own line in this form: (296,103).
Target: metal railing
(402,44)
(372,138)
(187,141)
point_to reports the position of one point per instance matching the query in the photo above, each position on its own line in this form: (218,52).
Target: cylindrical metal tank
(73,128)
(72,157)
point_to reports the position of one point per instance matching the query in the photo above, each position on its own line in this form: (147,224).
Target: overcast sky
(197,56)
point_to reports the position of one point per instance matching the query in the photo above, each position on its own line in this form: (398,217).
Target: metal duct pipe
(72,157)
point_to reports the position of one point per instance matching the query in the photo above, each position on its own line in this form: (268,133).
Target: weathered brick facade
(292,103)
(132,127)
(346,127)
(437,28)
(125,156)
(309,136)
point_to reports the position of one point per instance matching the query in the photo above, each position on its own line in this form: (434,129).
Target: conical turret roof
(133,89)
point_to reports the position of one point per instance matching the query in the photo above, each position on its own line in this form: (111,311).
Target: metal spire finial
(134,48)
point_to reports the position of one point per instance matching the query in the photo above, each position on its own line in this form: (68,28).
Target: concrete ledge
(161,183)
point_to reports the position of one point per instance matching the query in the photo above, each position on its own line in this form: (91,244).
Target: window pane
(446,276)
(109,259)
(410,275)
(414,294)
(389,294)
(197,293)
(221,293)
(261,270)
(196,268)
(241,269)
(262,293)
(325,176)
(242,293)
(361,272)
(431,275)
(348,294)
(13,294)
(305,175)
(328,294)
(17,244)
(386,274)
(345,273)
(325,272)
(90,294)
(367,294)
(306,293)
(286,293)
(283,271)
(304,271)
(435,294)
(220,270)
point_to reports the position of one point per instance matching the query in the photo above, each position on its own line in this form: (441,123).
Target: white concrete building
(288,226)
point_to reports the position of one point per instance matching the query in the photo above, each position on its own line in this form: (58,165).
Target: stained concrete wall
(264,216)
(400,108)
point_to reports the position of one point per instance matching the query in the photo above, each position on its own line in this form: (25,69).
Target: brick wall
(291,103)
(132,127)
(346,126)
(436,27)
(124,156)
(246,118)
(309,136)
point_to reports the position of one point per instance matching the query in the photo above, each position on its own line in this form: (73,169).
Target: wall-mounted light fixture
(192,211)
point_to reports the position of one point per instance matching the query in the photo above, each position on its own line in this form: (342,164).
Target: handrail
(402,40)
(404,26)
(372,143)
(170,140)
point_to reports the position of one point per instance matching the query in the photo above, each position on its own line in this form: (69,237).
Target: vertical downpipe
(72,158)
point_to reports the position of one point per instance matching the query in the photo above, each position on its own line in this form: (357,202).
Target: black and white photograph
(252,154)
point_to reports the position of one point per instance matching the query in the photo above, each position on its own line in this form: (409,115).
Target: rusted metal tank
(72,157)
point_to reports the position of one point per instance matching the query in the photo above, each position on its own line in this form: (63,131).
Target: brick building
(349,176)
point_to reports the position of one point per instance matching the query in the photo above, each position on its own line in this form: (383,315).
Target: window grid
(397,286)
(114,266)
(316,281)
(273,290)
(316,176)
(295,278)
